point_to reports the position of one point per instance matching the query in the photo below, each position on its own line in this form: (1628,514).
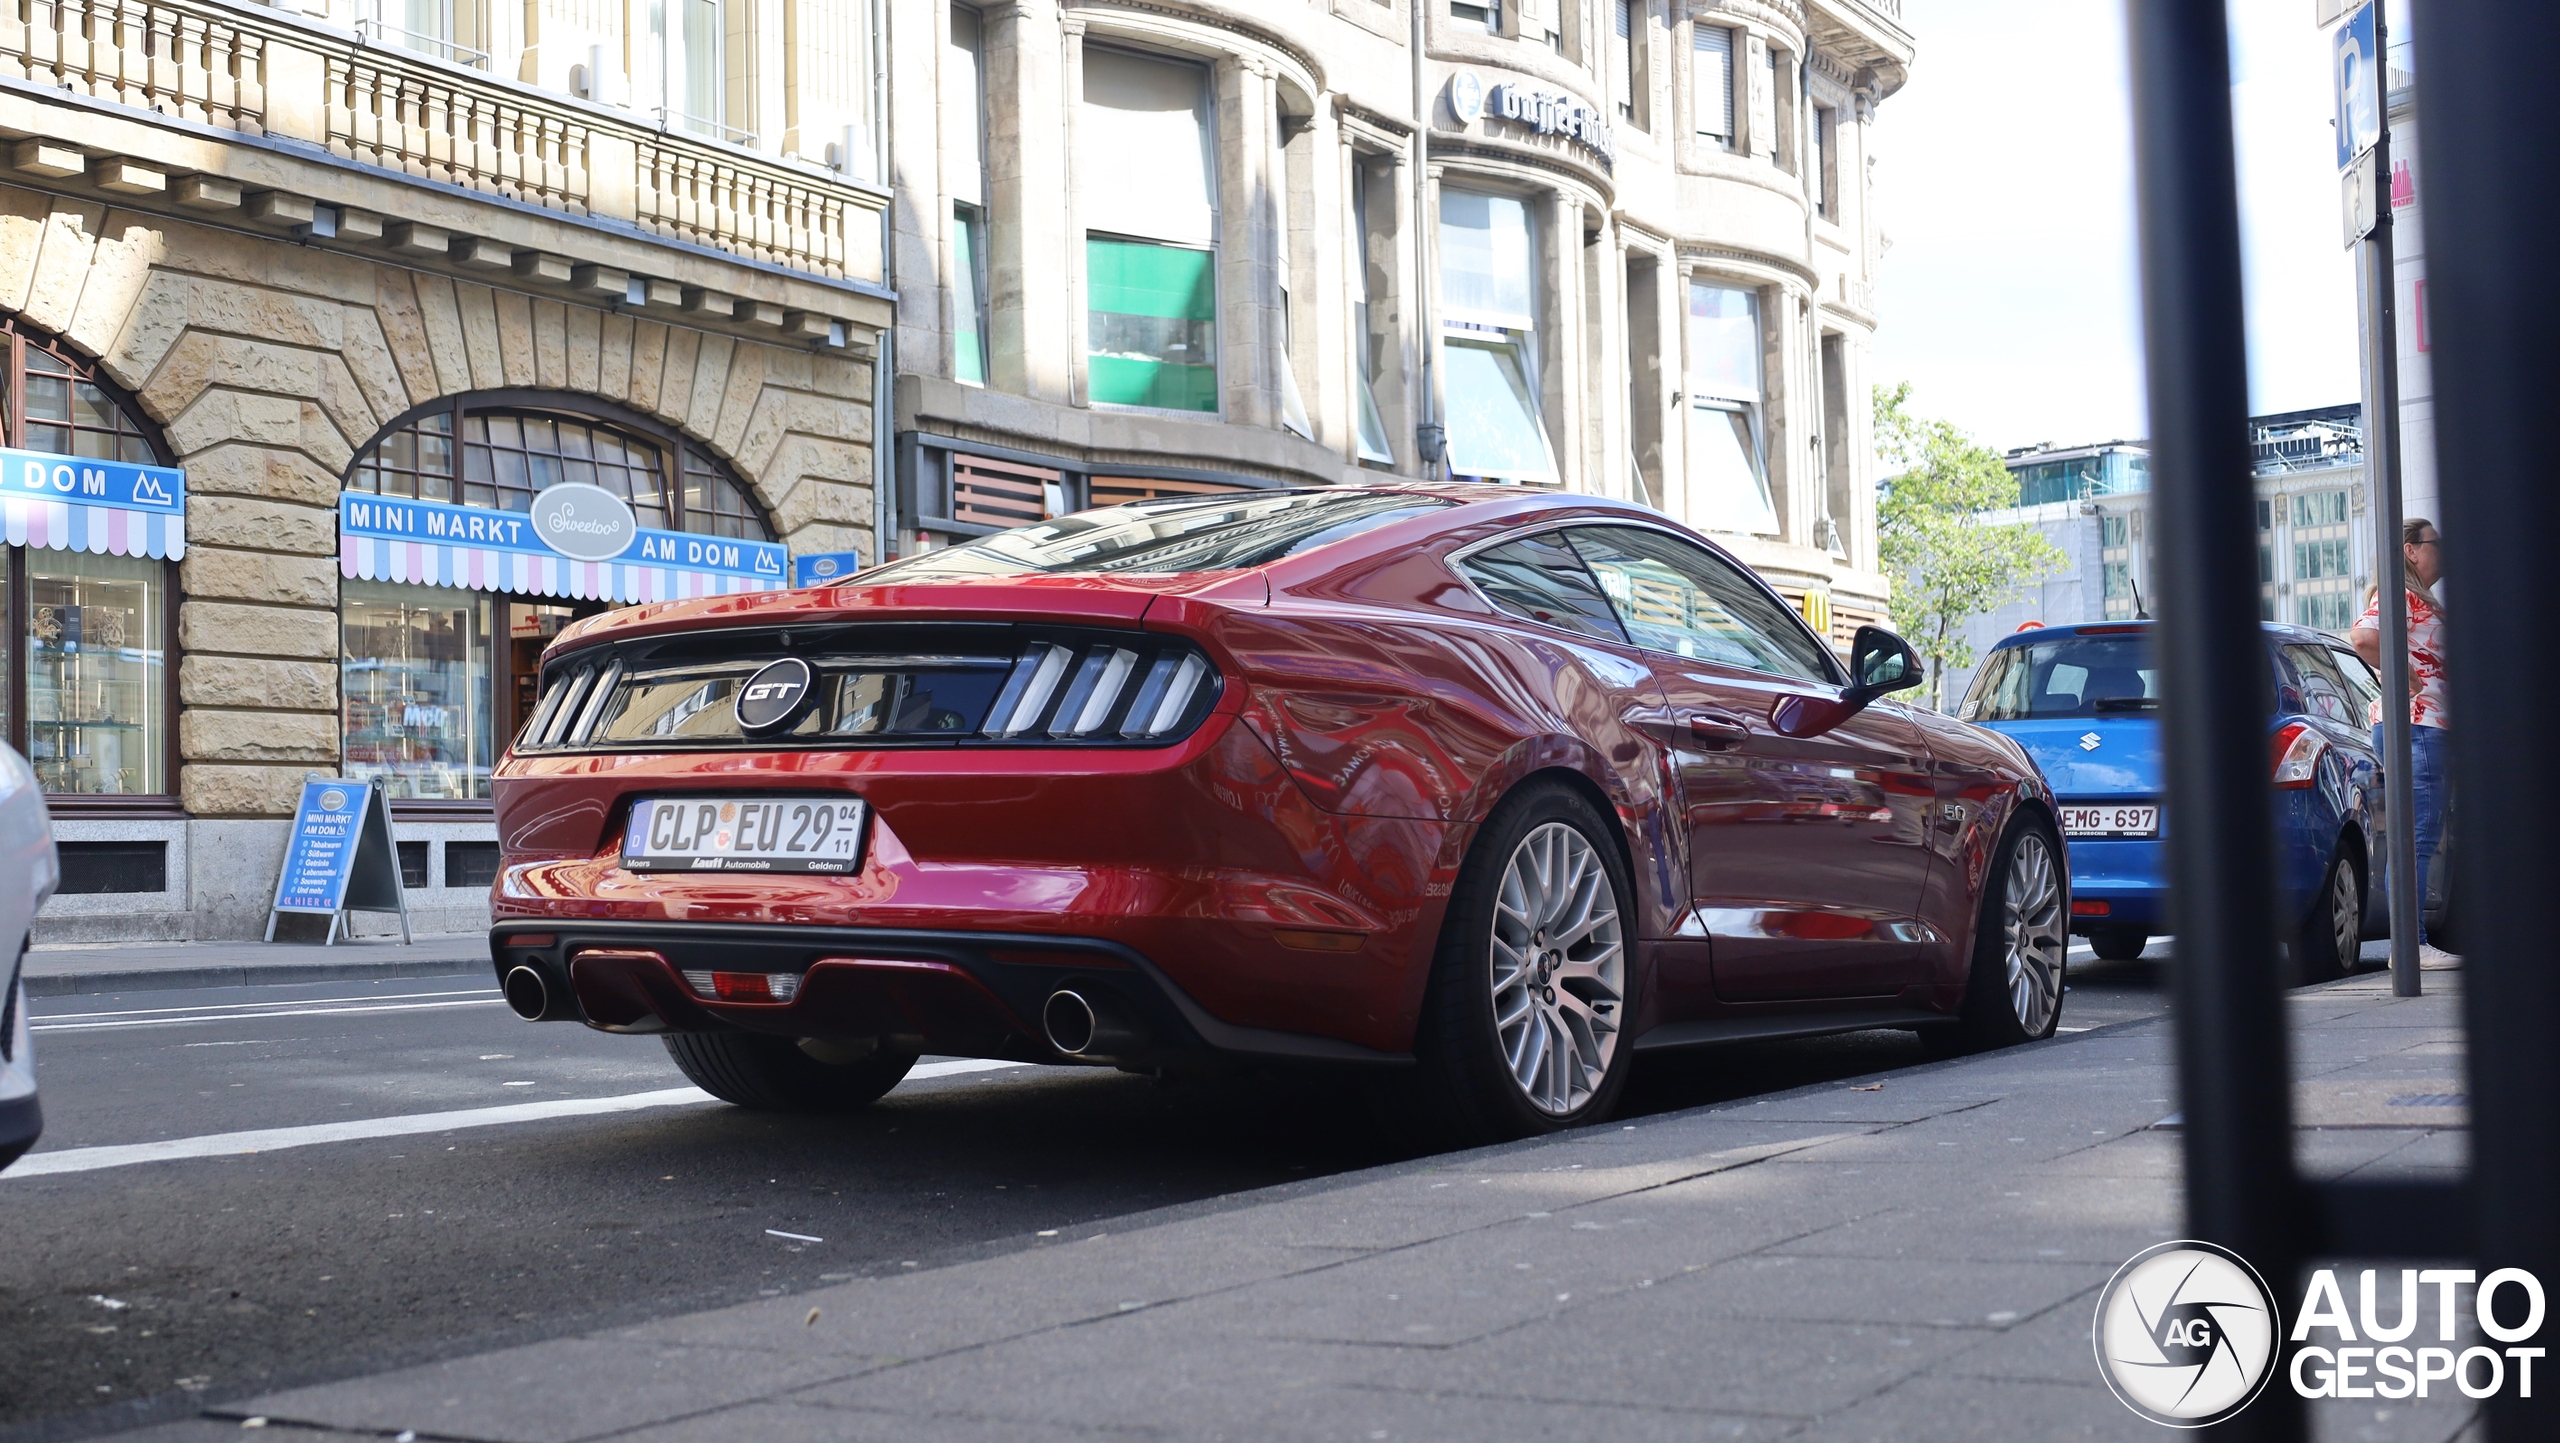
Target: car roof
(2281,631)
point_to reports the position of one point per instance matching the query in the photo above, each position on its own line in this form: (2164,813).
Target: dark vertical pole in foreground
(2234,1084)
(2380,284)
(2492,212)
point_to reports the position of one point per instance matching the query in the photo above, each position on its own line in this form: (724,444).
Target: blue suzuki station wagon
(2084,702)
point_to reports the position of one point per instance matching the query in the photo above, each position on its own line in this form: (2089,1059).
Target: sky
(2004,183)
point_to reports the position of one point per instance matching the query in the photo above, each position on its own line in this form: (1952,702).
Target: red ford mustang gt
(1487,789)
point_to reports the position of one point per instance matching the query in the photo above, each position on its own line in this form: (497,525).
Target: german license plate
(744,834)
(2111,821)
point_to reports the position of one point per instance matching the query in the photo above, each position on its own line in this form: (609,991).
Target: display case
(96,674)
(418,689)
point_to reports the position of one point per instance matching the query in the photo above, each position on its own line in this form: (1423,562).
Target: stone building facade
(1611,246)
(352,291)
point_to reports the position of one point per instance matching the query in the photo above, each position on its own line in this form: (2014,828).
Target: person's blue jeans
(2430,786)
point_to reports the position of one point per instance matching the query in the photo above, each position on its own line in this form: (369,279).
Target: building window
(430,27)
(1151,234)
(1488,16)
(1711,82)
(87,700)
(1367,340)
(509,453)
(1489,369)
(2323,566)
(2118,590)
(1622,60)
(1728,433)
(2266,559)
(967,164)
(418,689)
(682,69)
(1826,203)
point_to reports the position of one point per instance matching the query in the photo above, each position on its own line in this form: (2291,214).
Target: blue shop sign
(88,481)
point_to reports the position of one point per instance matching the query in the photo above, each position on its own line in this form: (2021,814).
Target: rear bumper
(972,994)
(21,1123)
(2128,878)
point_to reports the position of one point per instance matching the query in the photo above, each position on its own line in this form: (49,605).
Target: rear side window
(1686,600)
(2069,676)
(1540,578)
(2325,692)
(1169,534)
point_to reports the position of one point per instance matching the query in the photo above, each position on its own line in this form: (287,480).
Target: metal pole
(2234,1082)
(1428,437)
(2493,311)
(2382,473)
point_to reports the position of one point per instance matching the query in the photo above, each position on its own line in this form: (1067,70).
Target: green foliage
(1946,564)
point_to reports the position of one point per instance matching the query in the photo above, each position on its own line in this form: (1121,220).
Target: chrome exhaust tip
(527,994)
(1086,1027)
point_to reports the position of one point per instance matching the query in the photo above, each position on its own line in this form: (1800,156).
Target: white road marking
(256,1016)
(43,1016)
(276,1139)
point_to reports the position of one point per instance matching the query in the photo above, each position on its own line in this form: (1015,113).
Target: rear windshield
(1173,534)
(2069,676)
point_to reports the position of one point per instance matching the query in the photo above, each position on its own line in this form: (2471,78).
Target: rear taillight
(2297,748)
(1134,690)
(744,986)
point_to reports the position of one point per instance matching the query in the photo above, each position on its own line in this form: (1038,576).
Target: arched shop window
(90,603)
(443,637)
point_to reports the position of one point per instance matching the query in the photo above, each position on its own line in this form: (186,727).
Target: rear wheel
(2333,935)
(2021,947)
(2119,944)
(779,1074)
(1521,1028)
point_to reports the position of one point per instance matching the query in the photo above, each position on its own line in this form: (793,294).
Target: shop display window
(418,686)
(88,699)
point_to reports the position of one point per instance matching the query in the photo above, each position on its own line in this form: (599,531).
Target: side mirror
(1879,662)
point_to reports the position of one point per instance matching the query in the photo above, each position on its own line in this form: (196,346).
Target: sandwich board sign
(339,858)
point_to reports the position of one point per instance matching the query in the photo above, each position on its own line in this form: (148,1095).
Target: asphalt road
(134,1292)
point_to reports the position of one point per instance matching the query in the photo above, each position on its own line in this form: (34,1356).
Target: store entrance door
(530,627)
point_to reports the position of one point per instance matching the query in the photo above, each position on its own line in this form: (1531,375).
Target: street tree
(1946,564)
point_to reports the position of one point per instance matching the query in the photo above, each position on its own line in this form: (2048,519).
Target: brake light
(744,986)
(2297,748)
(1087,692)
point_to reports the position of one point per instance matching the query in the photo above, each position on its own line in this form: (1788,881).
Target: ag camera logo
(2186,1334)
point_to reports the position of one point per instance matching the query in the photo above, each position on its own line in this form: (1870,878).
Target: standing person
(2422,557)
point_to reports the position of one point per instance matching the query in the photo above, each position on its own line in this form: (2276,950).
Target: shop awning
(80,503)
(430,543)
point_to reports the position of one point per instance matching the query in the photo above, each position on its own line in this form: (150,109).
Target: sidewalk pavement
(61,971)
(1912,1258)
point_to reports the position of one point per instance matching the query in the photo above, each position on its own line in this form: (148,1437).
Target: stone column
(1320,277)
(1077,336)
(1248,246)
(1604,273)
(1396,307)
(1034,333)
(1561,349)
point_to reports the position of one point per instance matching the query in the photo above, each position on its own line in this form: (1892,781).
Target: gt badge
(774,697)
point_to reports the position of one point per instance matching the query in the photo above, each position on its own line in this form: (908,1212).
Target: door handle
(1718,729)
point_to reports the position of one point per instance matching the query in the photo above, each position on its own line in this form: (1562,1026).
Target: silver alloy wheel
(2346,912)
(1558,968)
(2033,939)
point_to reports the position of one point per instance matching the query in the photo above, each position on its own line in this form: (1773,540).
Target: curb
(179,979)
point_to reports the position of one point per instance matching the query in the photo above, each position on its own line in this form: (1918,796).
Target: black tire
(2327,943)
(778,1074)
(2119,944)
(1464,1093)
(1988,1017)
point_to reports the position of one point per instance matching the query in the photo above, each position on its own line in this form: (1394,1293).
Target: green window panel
(1151,325)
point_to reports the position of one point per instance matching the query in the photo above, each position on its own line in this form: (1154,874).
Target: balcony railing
(391,107)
